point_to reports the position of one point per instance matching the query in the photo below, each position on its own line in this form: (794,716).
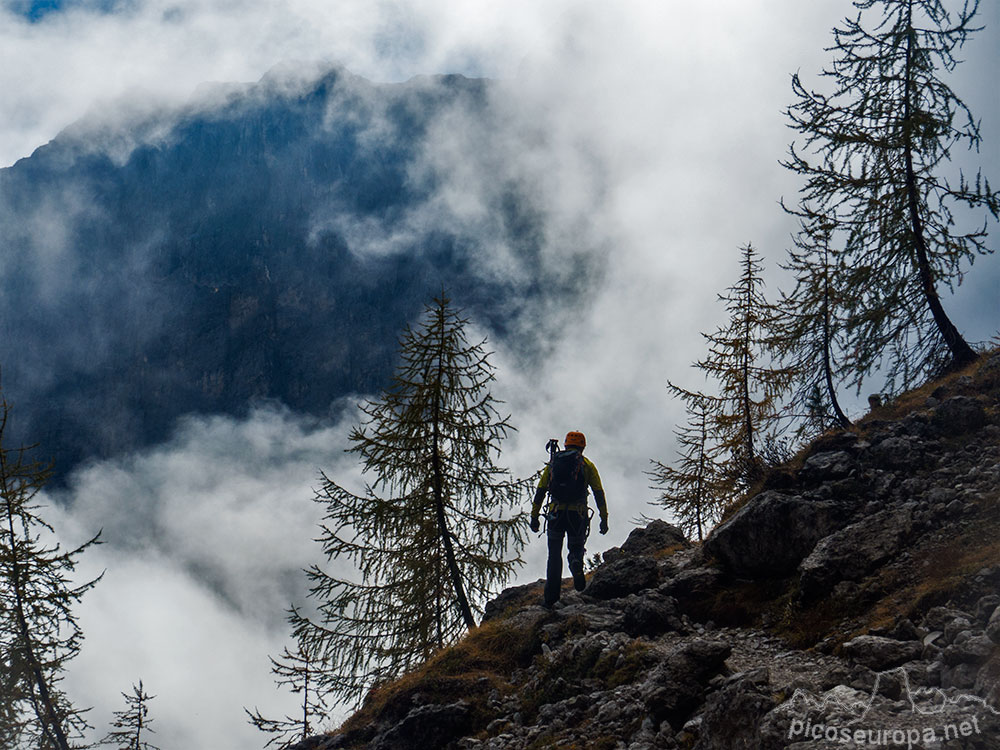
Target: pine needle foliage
(299,672)
(131,726)
(39,633)
(438,530)
(873,153)
(693,489)
(808,336)
(745,414)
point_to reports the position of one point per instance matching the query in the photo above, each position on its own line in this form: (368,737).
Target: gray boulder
(693,582)
(657,536)
(985,607)
(507,600)
(975,650)
(648,540)
(651,614)
(826,466)
(594,617)
(993,626)
(959,416)
(899,452)
(675,687)
(426,726)
(627,575)
(854,551)
(941,618)
(772,533)
(733,715)
(879,653)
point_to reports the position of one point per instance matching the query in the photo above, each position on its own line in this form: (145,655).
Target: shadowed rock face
(903,571)
(268,242)
(773,533)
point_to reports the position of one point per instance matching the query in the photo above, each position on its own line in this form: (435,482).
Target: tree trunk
(827,343)
(438,484)
(962,354)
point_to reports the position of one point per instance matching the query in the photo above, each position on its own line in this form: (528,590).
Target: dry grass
(470,670)
(941,576)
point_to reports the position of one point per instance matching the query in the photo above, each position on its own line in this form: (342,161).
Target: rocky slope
(854,601)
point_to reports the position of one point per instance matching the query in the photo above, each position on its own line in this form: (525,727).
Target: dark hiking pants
(573,525)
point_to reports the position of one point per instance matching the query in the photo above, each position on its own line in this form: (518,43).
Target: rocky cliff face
(853,602)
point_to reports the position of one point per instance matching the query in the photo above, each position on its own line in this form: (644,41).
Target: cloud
(646,133)
(205,539)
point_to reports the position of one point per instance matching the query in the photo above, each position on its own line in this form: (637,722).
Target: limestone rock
(627,575)
(849,554)
(732,716)
(879,653)
(897,452)
(651,614)
(974,650)
(959,415)
(993,626)
(675,686)
(826,466)
(772,533)
(692,582)
(648,540)
(658,535)
(426,726)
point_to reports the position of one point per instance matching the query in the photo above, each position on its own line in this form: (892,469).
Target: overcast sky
(665,133)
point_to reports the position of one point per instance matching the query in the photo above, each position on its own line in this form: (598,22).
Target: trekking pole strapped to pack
(553,448)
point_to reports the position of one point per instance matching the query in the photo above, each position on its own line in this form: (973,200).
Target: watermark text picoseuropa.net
(896,737)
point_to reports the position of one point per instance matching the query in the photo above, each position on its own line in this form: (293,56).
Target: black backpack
(567,478)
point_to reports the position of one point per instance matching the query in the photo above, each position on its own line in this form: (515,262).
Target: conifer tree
(298,671)
(693,489)
(809,333)
(437,530)
(745,411)
(39,633)
(131,726)
(873,157)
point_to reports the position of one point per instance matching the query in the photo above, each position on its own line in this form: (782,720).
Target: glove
(604,526)
(534,523)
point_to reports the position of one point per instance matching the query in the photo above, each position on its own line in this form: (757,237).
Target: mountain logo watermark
(893,714)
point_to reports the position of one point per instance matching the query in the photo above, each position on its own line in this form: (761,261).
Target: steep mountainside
(267,241)
(854,601)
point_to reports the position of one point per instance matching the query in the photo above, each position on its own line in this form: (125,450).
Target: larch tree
(131,727)
(439,528)
(808,335)
(874,155)
(745,412)
(39,633)
(694,488)
(298,671)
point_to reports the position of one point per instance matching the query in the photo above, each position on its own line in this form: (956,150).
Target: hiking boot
(579,580)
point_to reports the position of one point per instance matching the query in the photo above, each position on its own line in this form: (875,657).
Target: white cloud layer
(205,539)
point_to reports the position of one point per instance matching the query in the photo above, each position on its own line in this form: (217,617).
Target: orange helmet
(575,440)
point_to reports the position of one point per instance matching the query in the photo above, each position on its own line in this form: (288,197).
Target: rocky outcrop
(772,533)
(854,551)
(861,595)
(626,575)
(879,653)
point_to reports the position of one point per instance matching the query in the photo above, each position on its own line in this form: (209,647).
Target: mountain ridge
(674,645)
(269,245)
